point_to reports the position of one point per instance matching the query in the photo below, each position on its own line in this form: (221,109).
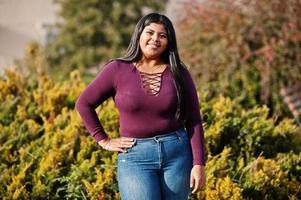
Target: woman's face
(153,40)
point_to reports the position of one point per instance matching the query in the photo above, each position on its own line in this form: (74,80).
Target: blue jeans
(156,168)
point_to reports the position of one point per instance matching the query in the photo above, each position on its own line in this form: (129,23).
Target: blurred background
(245,59)
(21,22)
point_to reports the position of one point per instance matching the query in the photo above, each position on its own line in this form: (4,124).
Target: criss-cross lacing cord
(151,82)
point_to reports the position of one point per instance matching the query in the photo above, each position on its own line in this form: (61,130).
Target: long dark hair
(170,55)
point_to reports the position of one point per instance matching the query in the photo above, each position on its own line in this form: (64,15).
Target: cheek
(164,44)
(142,41)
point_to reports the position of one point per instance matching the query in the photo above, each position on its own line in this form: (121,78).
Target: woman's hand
(117,144)
(197,177)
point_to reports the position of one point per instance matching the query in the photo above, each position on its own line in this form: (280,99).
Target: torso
(139,109)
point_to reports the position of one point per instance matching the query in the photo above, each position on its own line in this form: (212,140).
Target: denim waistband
(174,134)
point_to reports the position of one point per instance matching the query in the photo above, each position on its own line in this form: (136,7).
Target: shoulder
(186,73)
(117,65)
(188,79)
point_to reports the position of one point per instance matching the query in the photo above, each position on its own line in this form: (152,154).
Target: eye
(163,36)
(149,32)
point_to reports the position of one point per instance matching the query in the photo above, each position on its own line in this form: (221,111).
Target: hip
(161,149)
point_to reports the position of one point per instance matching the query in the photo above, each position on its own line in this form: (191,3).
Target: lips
(153,45)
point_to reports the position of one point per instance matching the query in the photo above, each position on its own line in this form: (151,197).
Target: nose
(155,37)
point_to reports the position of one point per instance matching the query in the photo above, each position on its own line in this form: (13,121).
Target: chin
(153,56)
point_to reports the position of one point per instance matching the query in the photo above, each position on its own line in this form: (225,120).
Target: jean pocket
(127,150)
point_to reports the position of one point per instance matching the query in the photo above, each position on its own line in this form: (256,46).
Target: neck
(151,62)
(150,65)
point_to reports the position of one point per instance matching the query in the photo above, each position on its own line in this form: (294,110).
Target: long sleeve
(99,90)
(193,122)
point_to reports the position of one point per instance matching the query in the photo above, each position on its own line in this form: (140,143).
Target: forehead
(155,27)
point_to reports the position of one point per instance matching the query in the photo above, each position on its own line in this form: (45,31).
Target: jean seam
(160,155)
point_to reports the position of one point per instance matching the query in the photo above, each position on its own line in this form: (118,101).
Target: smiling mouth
(154,45)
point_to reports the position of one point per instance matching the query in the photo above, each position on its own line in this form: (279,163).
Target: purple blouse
(141,115)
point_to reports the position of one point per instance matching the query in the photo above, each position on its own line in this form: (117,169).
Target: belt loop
(156,139)
(178,134)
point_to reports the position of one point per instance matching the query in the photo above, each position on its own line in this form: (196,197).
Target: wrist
(103,143)
(199,166)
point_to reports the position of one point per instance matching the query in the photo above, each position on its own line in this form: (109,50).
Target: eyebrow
(149,29)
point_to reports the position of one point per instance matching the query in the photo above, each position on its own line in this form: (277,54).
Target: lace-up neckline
(151,83)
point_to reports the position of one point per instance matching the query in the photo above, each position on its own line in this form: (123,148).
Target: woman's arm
(99,90)
(195,130)
(193,122)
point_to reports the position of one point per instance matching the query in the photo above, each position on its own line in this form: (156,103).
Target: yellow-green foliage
(46,153)
(222,188)
(266,179)
(249,133)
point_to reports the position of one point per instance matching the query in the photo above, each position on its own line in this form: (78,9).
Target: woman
(161,148)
